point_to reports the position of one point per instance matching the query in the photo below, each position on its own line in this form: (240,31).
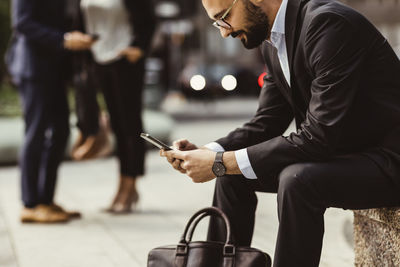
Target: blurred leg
(56,140)
(87,109)
(130,77)
(93,139)
(122,88)
(33,99)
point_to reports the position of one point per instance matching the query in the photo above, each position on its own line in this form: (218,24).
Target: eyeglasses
(221,22)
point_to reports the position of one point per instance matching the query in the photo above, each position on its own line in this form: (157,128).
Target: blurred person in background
(94,136)
(38,63)
(124,29)
(332,71)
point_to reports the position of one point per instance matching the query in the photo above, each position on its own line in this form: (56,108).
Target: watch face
(219,169)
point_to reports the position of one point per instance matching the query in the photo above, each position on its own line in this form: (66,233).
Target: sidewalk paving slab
(7,255)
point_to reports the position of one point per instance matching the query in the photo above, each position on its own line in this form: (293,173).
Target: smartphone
(155,141)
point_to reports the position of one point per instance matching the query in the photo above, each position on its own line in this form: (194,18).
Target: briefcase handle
(194,225)
(229,250)
(198,216)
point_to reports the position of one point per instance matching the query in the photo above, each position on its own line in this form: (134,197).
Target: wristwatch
(219,168)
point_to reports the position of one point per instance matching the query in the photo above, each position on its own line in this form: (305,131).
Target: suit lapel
(271,58)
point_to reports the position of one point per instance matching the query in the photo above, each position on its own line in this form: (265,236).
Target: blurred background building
(197,62)
(189,56)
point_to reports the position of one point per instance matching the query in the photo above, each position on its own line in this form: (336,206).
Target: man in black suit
(37,61)
(337,76)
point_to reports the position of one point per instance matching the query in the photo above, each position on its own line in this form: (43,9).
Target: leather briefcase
(190,253)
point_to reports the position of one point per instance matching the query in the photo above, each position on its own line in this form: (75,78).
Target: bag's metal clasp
(181,250)
(229,250)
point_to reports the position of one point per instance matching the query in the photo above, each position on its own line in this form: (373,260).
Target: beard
(258,28)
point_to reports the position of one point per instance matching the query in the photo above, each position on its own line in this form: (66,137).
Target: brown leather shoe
(43,214)
(71,214)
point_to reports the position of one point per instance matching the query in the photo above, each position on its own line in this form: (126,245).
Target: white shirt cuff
(242,159)
(214,146)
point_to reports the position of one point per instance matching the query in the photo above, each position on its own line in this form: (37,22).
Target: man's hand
(78,41)
(183,145)
(197,164)
(132,53)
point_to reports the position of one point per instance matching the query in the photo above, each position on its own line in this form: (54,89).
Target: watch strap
(219,156)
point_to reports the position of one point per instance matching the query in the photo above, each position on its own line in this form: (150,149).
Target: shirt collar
(279,22)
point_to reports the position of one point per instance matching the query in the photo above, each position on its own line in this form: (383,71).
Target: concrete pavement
(167,201)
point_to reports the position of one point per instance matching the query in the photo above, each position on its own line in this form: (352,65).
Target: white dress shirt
(278,39)
(279,42)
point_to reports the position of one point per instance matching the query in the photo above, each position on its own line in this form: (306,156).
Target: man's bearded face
(257,26)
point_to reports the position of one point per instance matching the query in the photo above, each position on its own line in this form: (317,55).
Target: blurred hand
(77,41)
(132,53)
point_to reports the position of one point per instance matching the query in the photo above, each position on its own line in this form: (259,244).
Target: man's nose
(225,32)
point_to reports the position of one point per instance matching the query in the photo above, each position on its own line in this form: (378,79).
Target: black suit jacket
(344,94)
(36,51)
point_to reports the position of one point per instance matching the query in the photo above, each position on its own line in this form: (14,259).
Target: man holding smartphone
(333,72)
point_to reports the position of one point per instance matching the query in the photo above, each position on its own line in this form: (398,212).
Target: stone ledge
(377,237)
(389,216)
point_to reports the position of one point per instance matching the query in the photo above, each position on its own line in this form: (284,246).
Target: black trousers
(304,191)
(46,117)
(122,86)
